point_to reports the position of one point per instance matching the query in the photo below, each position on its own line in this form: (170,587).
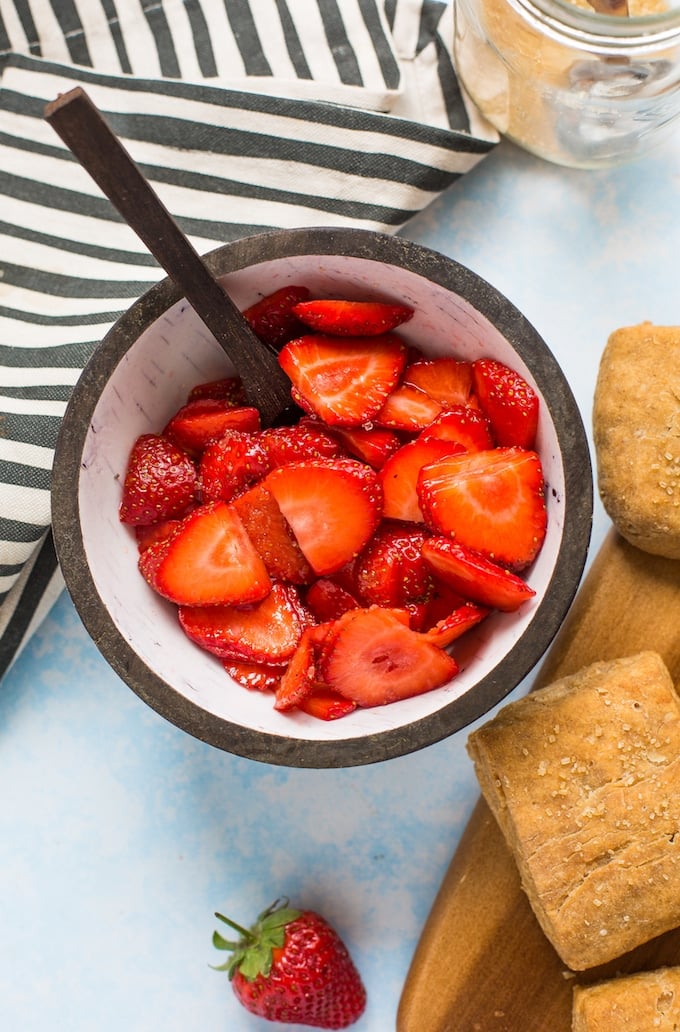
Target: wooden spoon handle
(482,961)
(85,132)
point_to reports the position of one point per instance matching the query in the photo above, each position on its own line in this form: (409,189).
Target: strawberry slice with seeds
(442,602)
(399,476)
(509,402)
(273,318)
(151,533)
(391,570)
(489,501)
(475,576)
(456,624)
(300,677)
(307,439)
(258,677)
(209,560)
(199,422)
(327,599)
(345,381)
(352,318)
(272,536)
(229,388)
(332,506)
(325,704)
(373,446)
(408,409)
(265,632)
(446,380)
(374,658)
(346,577)
(160,482)
(231,464)
(464,424)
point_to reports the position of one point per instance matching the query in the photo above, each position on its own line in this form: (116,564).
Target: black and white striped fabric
(245,115)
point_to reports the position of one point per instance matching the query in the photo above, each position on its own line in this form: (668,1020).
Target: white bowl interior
(151,382)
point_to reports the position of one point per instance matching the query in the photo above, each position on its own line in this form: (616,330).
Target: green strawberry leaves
(252,953)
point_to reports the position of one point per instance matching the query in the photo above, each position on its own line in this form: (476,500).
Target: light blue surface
(120,835)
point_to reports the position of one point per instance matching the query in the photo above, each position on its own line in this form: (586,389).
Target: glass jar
(568,83)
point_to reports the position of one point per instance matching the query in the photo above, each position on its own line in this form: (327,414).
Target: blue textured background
(120,835)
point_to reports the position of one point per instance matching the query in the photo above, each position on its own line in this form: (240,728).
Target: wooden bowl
(140,375)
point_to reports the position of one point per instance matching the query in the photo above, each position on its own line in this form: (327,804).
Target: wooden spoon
(85,132)
(483,963)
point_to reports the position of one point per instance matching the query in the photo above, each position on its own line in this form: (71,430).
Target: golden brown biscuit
(646,1002)
(636,432)
(583,777)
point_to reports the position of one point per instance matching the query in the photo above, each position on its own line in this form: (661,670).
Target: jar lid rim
(646,29)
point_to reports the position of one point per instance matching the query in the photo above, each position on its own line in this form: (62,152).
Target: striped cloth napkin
(245,115)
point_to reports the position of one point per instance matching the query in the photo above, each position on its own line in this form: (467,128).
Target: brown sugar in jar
(567,83)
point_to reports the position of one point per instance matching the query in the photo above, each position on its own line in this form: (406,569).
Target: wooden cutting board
(482,963)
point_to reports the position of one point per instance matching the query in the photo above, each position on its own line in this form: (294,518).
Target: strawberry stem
(245,933)
(253,954)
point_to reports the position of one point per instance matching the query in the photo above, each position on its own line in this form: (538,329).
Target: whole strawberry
(291,966)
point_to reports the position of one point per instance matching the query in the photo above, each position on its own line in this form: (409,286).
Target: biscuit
(636,433)
(646,1002)
(583,777)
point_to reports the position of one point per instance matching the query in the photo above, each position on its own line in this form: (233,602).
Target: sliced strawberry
(415,354)
(300,677)
(344,381)
(416,614)
(272,536)
(298,680)
(408,409)
(210,560)
(199,422)
(399,476)
(509,402)
(447,380)
(475,576)
(328,600)
(259,677)
(464,424)
(308,439)
(325,704)
(352,318)
(160,482)
(273,319)
(152,533)
(489,501)
(456,624)
(229,388)
(442,602)
(373,446)
(332,506)
(231,464)
(373,658)
(264,632)
(391,570)
(346,577)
